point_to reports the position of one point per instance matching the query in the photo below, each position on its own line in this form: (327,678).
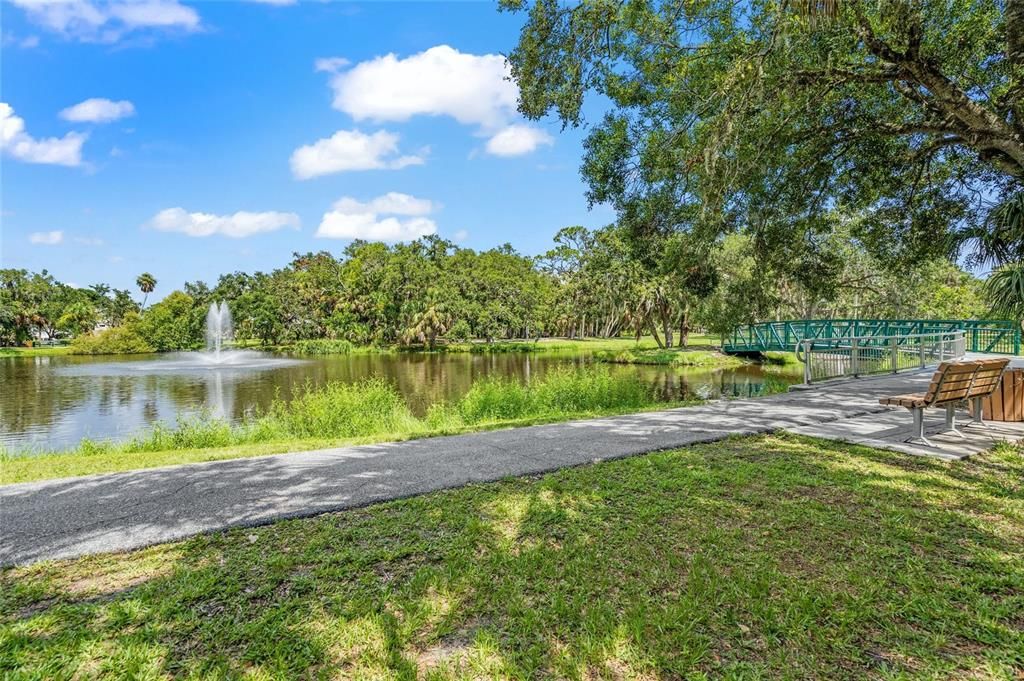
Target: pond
(51,403)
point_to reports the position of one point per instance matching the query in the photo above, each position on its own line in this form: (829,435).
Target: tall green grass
(374,408)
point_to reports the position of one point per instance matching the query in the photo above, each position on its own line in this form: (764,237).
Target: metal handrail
(985,336)
(812,341)
(869,358)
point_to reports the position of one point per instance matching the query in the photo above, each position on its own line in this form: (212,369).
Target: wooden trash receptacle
(1007,402)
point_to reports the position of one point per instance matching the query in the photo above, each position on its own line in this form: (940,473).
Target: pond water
(51,403)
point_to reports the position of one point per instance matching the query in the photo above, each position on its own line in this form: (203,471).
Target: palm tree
(146,283)
(1005,291)
(1000,239)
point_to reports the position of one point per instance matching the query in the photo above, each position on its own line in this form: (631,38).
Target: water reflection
(54,402)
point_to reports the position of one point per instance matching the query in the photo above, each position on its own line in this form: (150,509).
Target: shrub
(324,346)
(460,331)
(119,340)
(504,346)
(175,323)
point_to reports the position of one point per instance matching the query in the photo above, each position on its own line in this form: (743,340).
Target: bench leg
(977,418)
(951,420)
(918,436)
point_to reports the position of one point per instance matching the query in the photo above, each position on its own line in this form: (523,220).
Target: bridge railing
(825,359)
(991,336)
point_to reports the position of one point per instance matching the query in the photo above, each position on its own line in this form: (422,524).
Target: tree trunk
(654,332)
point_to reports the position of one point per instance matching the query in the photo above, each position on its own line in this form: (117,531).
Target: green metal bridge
(996,337)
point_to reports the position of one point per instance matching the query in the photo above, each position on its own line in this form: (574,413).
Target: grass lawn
(670,357)
(35,352)
(756,557)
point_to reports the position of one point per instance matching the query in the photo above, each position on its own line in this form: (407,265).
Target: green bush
(324,346)
(504,346)
(120,340)
(175,323)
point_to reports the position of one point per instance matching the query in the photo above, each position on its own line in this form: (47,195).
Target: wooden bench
(986,381)
(952,383)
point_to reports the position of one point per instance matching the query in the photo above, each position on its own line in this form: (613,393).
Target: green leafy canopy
(767,117)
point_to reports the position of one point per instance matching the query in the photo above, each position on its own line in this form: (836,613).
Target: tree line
(591,283)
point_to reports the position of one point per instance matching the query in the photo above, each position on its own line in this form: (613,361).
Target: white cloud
(353,219)
(238,225)
(392,203)
(330,64)
(18,144)
(475,90)
(47,238)
(109,20)
(350,150)
(441,81)
(516,140)
(274,2)
(460,236)
(98,110)
(368,226)
(88,241)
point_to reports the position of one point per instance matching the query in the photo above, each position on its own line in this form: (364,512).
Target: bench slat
(955,382)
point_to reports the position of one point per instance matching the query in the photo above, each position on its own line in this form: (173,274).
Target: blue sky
(193,139)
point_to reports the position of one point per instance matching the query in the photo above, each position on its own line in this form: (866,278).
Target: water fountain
(218,329)
(218,357)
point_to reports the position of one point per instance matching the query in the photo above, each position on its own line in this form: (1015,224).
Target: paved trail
(120,511)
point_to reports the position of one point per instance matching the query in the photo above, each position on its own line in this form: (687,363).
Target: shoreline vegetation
(44,351)
(340,414)
(701,351)
(752,557)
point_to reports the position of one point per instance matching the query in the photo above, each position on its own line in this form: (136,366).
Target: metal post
(951,420)
(807,362)
(893,349)
(920,347)
(854,351)
(979,410)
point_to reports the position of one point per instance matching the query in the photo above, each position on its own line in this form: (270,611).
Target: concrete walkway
(120,511)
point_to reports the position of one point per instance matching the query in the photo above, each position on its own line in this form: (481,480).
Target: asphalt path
(121,511)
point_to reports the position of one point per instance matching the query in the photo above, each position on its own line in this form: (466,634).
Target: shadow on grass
(774,556)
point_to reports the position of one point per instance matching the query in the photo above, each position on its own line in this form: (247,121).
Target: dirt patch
(452,649)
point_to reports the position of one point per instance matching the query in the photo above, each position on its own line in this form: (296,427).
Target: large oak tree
(770,116)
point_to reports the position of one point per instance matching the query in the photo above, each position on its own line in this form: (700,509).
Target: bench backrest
(951,382)
(988,376)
